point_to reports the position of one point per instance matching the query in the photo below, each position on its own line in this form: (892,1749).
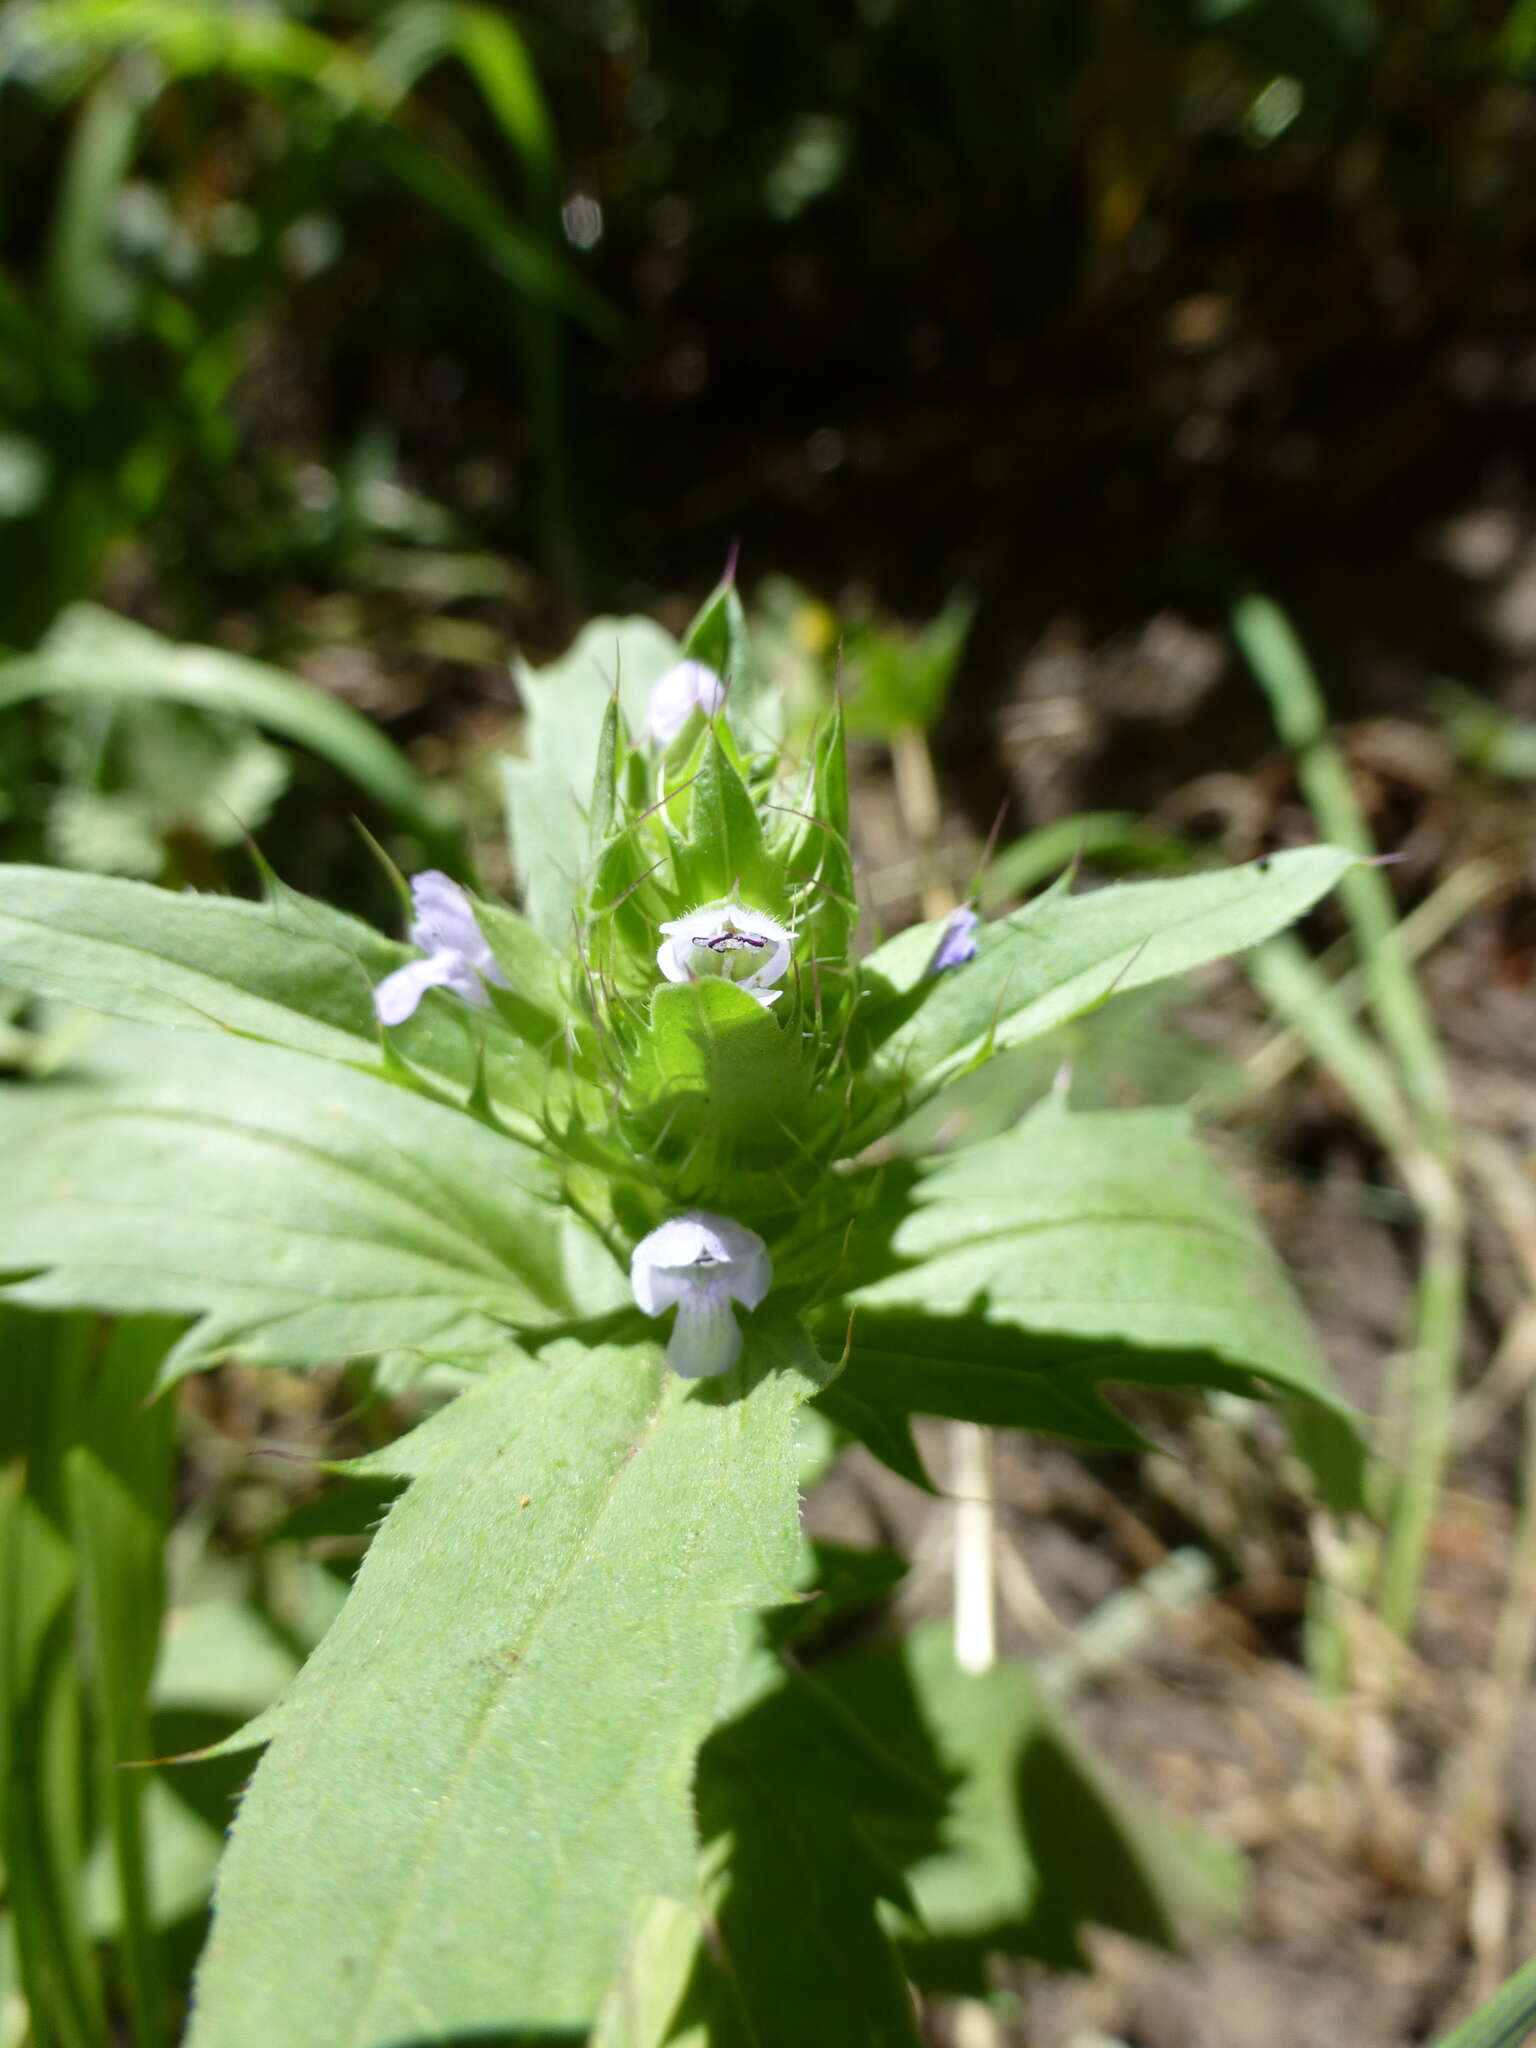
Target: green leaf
(42,1823)
(715,1066)
(295,973)
(117,1484)
(1039,1840)
(1505,2021)
(1062,954)
(78,280)
(903,679)
(717,634)
(305,1212)
(548,793)
(95,652)
(485,1769)
(787,1793)
(416,36)
(718,637)
(1008,1280)
(289,970)
(724,854)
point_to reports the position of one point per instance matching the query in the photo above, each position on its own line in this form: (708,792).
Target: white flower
(457,957)
(687,687)
(699,1265)
(731,942)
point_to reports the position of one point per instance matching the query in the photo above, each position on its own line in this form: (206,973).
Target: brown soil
(1392,1834)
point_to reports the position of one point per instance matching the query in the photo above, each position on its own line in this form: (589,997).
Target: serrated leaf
(549,792)
(1062,954)
(304,1211)
(132,950)
(485,1768)
(1008,1280)
(289,970)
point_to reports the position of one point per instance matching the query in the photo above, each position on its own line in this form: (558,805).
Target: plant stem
(1408,1105)
(975,1536)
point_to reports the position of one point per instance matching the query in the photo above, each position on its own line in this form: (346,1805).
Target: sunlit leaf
(486,1767)
(1011,1279)
(303,1211)
(549,791)
(1062,954)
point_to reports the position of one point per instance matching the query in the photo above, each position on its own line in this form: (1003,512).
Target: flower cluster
(698,1264)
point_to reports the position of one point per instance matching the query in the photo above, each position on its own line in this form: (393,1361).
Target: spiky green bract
(719,1101)
(485,1770)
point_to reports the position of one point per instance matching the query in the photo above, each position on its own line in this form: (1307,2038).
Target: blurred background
(1009,346)
(376,339)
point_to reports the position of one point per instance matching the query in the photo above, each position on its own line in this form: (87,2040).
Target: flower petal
(706,1338)
(718,938)
(445,917)
(667,960)
(687,687)
(397,994)
(956,945)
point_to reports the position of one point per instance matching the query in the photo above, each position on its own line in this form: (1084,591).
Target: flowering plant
(624,1171)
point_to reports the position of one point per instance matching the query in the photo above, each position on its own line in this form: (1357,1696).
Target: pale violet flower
(956,944)
(699,1264)
(730,942)
(687,687)
(457,957)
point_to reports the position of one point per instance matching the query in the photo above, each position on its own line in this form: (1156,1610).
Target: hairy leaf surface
(548,793)
(486,1767)
(289,970)
(1062,954)
(306,1212)
(1005,1282)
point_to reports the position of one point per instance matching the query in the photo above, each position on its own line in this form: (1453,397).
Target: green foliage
(577,1750)
(895,679)
(126,326)
(1063,954)
(538,1642)
(94,655)
(1505,2021)
(1006,1282)
(83,1519)
(316,1212)
(548,790)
